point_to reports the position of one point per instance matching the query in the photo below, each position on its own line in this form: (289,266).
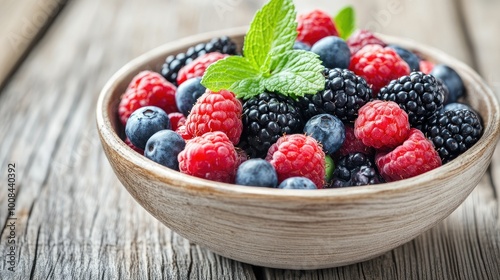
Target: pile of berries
(385,114)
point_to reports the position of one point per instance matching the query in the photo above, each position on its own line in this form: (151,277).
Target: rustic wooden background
(76,221)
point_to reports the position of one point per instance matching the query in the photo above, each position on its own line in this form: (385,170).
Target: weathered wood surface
(75,220)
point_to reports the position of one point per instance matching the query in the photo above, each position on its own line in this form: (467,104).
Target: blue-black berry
(297,183)
(333,52)
(418,94)
(454,132)
(164,147)
(451,81)
(344,94)
(187,94)
(143,123)
(328,130)
(298,45)
(355,169)
(256,172)
(409,57)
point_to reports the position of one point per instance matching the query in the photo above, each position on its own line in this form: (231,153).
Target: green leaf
(345,21)
(296,73)
(236,74)
(273,30)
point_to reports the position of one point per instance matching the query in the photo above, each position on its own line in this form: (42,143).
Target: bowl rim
(184,182)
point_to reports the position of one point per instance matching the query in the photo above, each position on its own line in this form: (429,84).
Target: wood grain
(77,221)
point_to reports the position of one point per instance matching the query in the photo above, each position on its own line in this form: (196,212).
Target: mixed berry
(315,104)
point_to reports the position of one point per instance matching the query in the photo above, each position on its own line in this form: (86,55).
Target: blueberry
(256,172)
(333,51)
(187,94)
(164,147)
(143,123)
(328,130)
(297,183)
(451,81)
(301,46)
(412,59)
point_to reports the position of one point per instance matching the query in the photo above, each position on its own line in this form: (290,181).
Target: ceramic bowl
(295,229)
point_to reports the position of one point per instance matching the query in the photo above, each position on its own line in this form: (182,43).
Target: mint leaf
(236,74)
(269,61)
(272,31)
(345,21)
(296,73)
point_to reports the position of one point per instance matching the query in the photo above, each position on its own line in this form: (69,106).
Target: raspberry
(211,156)
(314,26)
(198,66)
(352,144)
(382,125)
(415,156)
(147,89)
(181,130)
(361,38)
(216,111)
(298,155)
(426,66)
(140,151)
(176,119)
(378,66)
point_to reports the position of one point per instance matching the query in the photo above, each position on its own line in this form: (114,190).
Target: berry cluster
(385,114)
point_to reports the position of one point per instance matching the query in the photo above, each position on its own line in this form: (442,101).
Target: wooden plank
(87,226)
(74,219)
(481,24)
(22,22)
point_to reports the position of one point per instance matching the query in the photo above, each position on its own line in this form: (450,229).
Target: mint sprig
(269,61)
(345,22)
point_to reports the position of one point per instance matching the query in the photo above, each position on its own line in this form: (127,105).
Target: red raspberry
(139,150)
(210,156)
(147,89)
(378,66)
(181,130)
(415,156)
(176,119)
(198,66)
(216,111)
(426,66)
(361,38)
(298,155)
(353,145)
(382,124)
(314,26)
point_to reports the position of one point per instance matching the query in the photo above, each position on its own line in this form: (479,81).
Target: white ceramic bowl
(291,228)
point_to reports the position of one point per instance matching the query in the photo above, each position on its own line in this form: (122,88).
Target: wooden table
(74,220)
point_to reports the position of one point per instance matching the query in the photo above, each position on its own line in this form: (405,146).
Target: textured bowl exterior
(290,228)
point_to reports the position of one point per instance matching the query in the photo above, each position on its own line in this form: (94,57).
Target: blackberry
(344,94)
(266,118)
(174,63)
(355,169)
(418,94)
(453,132)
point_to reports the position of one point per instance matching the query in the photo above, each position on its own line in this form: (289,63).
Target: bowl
(295,229)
